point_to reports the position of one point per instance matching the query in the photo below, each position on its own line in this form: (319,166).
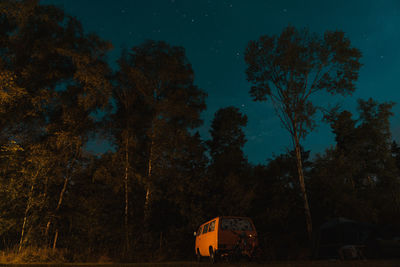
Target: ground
(361,263)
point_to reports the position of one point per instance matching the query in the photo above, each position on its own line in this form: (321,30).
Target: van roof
(224,217)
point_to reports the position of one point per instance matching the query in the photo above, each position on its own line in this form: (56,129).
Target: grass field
(364,263)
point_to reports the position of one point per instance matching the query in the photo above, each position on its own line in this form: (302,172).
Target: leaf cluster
(291,67)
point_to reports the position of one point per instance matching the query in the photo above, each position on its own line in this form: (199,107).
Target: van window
(236,224)
(205,229)
(199,231)
(212,226)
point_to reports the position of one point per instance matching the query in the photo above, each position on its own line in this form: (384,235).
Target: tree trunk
(21,241)
(147,209)
(126,193)
(27,208)
(147,204)
(55,240)
(60,199)
(302,186)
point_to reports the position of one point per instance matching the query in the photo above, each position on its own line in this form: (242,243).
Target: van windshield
(236,224)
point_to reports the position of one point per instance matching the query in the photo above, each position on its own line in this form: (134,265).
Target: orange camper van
(226,236)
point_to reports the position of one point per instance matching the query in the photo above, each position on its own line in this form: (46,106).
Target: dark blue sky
(215,34)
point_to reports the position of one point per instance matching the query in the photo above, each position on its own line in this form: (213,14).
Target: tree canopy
(288,69)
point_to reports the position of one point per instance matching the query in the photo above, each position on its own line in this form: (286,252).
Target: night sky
(215,34)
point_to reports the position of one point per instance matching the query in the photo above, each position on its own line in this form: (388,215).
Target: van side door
(212,238)
(203,244)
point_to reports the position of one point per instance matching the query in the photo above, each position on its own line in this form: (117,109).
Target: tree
(227,140)
(288,69)
(229,185)
(53,77)
(183,198)
(156,82)
(361,167)
(126,131)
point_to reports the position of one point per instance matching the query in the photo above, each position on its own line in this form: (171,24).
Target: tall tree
(128,134)
(290,68)
(228,163)
(161,81)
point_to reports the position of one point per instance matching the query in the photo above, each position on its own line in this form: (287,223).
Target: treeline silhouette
(143,199)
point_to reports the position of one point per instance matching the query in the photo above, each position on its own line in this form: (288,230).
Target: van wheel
(198,256)
(213,258)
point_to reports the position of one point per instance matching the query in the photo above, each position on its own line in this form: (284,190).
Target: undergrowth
(33,255)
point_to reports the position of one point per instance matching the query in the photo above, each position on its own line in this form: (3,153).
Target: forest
(160,179)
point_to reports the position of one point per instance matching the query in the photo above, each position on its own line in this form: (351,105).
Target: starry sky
(215,34)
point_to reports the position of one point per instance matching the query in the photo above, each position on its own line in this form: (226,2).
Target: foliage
(228,169)
(53,76)
(291,67)
(288,69)
(359,175)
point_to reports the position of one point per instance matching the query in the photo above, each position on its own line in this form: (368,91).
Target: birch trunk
(302,186)
(60,199)
(27,208)
(147,204)
(126,180)
(55,240)
(24,223)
